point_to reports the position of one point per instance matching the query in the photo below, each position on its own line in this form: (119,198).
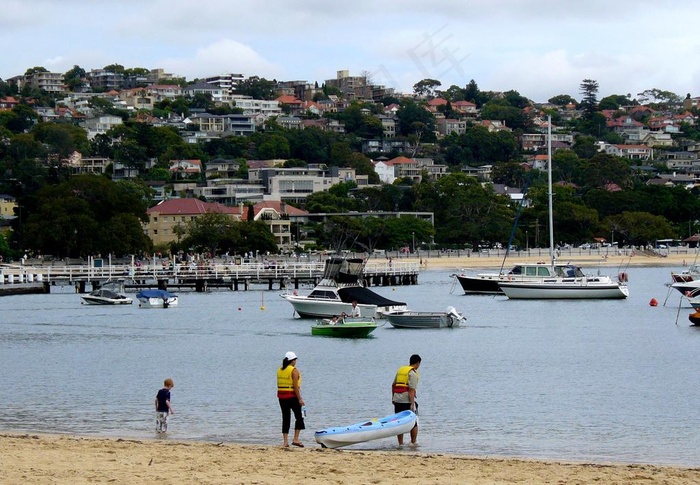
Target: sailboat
(564,281)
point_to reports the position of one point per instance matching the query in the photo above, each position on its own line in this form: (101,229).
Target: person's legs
(414,435)
(298,420)
(398,407)
(286,420)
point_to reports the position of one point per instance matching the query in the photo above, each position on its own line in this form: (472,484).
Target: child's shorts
(161,422)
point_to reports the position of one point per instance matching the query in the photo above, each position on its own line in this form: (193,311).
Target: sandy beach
(588,261)
(38,459)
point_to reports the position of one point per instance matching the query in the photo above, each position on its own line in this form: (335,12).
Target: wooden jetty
(197,277)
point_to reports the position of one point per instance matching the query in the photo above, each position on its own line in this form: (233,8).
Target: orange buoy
(653,302)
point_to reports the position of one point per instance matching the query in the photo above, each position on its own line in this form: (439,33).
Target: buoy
(239,309)
(695,317)
(653,302)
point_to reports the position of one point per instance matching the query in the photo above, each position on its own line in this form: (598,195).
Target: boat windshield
(323,295)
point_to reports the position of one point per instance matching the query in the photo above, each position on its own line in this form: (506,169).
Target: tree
(73,78)
(589,102)
(562,100)
(87,214)
(639,228)
(426,87)
(414,119)
(62,139)
(257,87)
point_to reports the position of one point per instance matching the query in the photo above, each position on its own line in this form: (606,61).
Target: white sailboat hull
(565,289)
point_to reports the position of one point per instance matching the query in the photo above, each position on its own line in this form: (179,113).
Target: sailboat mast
(549,186)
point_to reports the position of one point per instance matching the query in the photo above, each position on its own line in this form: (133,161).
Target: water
(581,380)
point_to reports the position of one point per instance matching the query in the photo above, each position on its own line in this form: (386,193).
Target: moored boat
(410,319)
(347,327)
(372,429)
(490,283)
(340,286)
(156,299)
(567,282)
(108,294)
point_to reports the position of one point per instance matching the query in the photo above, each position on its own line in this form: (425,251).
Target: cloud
(225,55)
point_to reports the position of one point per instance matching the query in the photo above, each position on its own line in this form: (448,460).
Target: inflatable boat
(373,429)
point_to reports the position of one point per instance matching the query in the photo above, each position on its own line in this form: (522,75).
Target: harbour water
(576,380)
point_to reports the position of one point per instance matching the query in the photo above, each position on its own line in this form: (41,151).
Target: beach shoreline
(64,459)
(587,261)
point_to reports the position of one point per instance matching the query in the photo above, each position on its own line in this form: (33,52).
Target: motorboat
(488,283)
(687,288)
(334,294)
(686,275)
(107,294)
(348,327)
(568,282)
(156,299)
(372,429)
(410,319)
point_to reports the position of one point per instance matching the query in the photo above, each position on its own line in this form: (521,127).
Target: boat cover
(365,296)
(155,294)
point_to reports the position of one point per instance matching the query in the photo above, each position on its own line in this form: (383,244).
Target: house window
(155,219)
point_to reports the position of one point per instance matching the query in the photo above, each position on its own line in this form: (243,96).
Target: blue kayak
(373,429)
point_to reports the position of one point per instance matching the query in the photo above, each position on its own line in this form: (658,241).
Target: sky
(540,48)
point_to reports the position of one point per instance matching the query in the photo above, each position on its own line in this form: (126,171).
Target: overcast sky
(540,48)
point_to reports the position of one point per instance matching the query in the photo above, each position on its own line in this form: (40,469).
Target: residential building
(100,125)
(102,80)
(8,206)
(633,152)
(170,216)
(138,98)
(447,126)
(51,82)
(230,192)
(251,106)
(185,168)
(235,124)
(218,94)
(227,81)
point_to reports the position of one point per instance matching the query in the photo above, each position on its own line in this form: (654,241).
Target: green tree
(257,87)
(589,102)
(562,100)
(426,87)
(73,78)
(639,228)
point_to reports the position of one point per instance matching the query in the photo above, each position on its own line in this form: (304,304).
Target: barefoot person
(163,406)
(289,395)
(403,393)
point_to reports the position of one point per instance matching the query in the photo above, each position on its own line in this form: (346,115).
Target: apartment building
(51,82)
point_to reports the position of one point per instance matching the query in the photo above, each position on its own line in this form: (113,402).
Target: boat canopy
(344,271)
(154,294)
(365,296)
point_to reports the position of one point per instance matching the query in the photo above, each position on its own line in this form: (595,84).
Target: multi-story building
(251,106)
(226,81)
(102,80)
(168,219)
(218,94)
(236,124)
(100,125)
(51,82)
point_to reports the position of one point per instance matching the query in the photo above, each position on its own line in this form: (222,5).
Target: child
(163,407)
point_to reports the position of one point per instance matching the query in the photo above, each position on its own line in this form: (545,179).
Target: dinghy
(374,429)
